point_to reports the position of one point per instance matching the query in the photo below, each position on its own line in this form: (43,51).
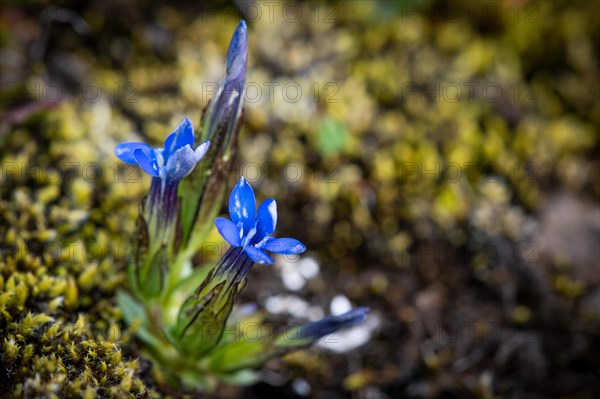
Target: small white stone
(315,313)
(301,387)
(292,279)
(297,307)
(340,304)
(309,268)
(290,304)
(275,304)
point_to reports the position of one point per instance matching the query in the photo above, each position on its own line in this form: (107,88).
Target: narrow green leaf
(151,276)
(242,378)
(132,309)
(238,354)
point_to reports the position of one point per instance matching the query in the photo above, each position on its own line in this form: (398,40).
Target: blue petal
(124,151)
(182,135)
(266,219)
(228,231)
(145,159)
(242,205)
(327,325)
(202,150)
(258,256)
(286,246)
(180,164)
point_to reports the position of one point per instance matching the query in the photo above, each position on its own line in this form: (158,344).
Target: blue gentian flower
(250,230)
(167,166)
(171,163)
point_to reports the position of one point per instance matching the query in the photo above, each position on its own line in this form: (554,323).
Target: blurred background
(439,160)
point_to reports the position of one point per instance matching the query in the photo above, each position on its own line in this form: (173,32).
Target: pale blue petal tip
(284,246)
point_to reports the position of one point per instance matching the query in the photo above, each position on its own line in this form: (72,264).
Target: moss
(56,306)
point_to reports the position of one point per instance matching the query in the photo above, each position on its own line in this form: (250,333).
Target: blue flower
(171,163)
(250,229)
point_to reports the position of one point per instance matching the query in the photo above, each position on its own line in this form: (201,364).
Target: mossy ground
(468,224)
